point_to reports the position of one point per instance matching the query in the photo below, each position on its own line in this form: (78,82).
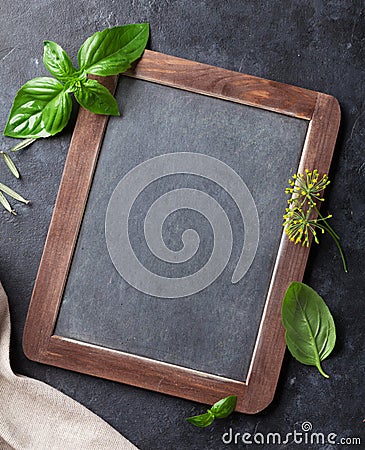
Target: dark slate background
(314,44)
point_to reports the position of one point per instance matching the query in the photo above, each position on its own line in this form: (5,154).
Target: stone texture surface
(315,44)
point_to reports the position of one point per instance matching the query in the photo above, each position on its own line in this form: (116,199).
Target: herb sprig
(11,165)
(302,217)
(42,106)
(4,189)
(220,410)
(4,201)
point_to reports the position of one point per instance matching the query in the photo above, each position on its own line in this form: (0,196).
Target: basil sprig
(310,329)
(42,106)
(220,410)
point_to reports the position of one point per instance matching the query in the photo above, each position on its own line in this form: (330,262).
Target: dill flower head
(302,217)
(307,187)
(299,225)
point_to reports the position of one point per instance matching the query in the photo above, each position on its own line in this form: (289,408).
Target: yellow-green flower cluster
(307,188)
(299,225)
(300,218)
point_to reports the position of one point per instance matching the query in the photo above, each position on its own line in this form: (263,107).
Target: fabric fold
(35,416)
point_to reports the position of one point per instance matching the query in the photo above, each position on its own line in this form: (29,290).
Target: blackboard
(221,337)
(175,265)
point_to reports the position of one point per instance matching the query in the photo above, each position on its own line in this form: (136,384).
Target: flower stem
(325,222)
(335,238)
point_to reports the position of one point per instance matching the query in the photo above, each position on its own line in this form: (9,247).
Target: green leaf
(12,167)
(223,408)
(34,114)
(112,50)
(57,113)
(57,61)
(12,194)
(96,98)
(23,144)
(310,329)
(6,204)
(203,420)
(220,410)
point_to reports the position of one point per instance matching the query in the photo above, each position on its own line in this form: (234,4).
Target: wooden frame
(39,341)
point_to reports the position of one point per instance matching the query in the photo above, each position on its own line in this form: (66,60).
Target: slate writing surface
(212,330)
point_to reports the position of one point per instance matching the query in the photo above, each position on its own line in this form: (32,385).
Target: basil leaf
(32,114)
(57,113)
(96,98)
(310,329)
(203,420)
(223,408)
(112,50)
(57,61)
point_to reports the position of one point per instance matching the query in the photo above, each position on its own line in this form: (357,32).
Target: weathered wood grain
(42,345)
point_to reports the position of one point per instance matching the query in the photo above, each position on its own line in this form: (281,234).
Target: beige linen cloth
(35,416)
